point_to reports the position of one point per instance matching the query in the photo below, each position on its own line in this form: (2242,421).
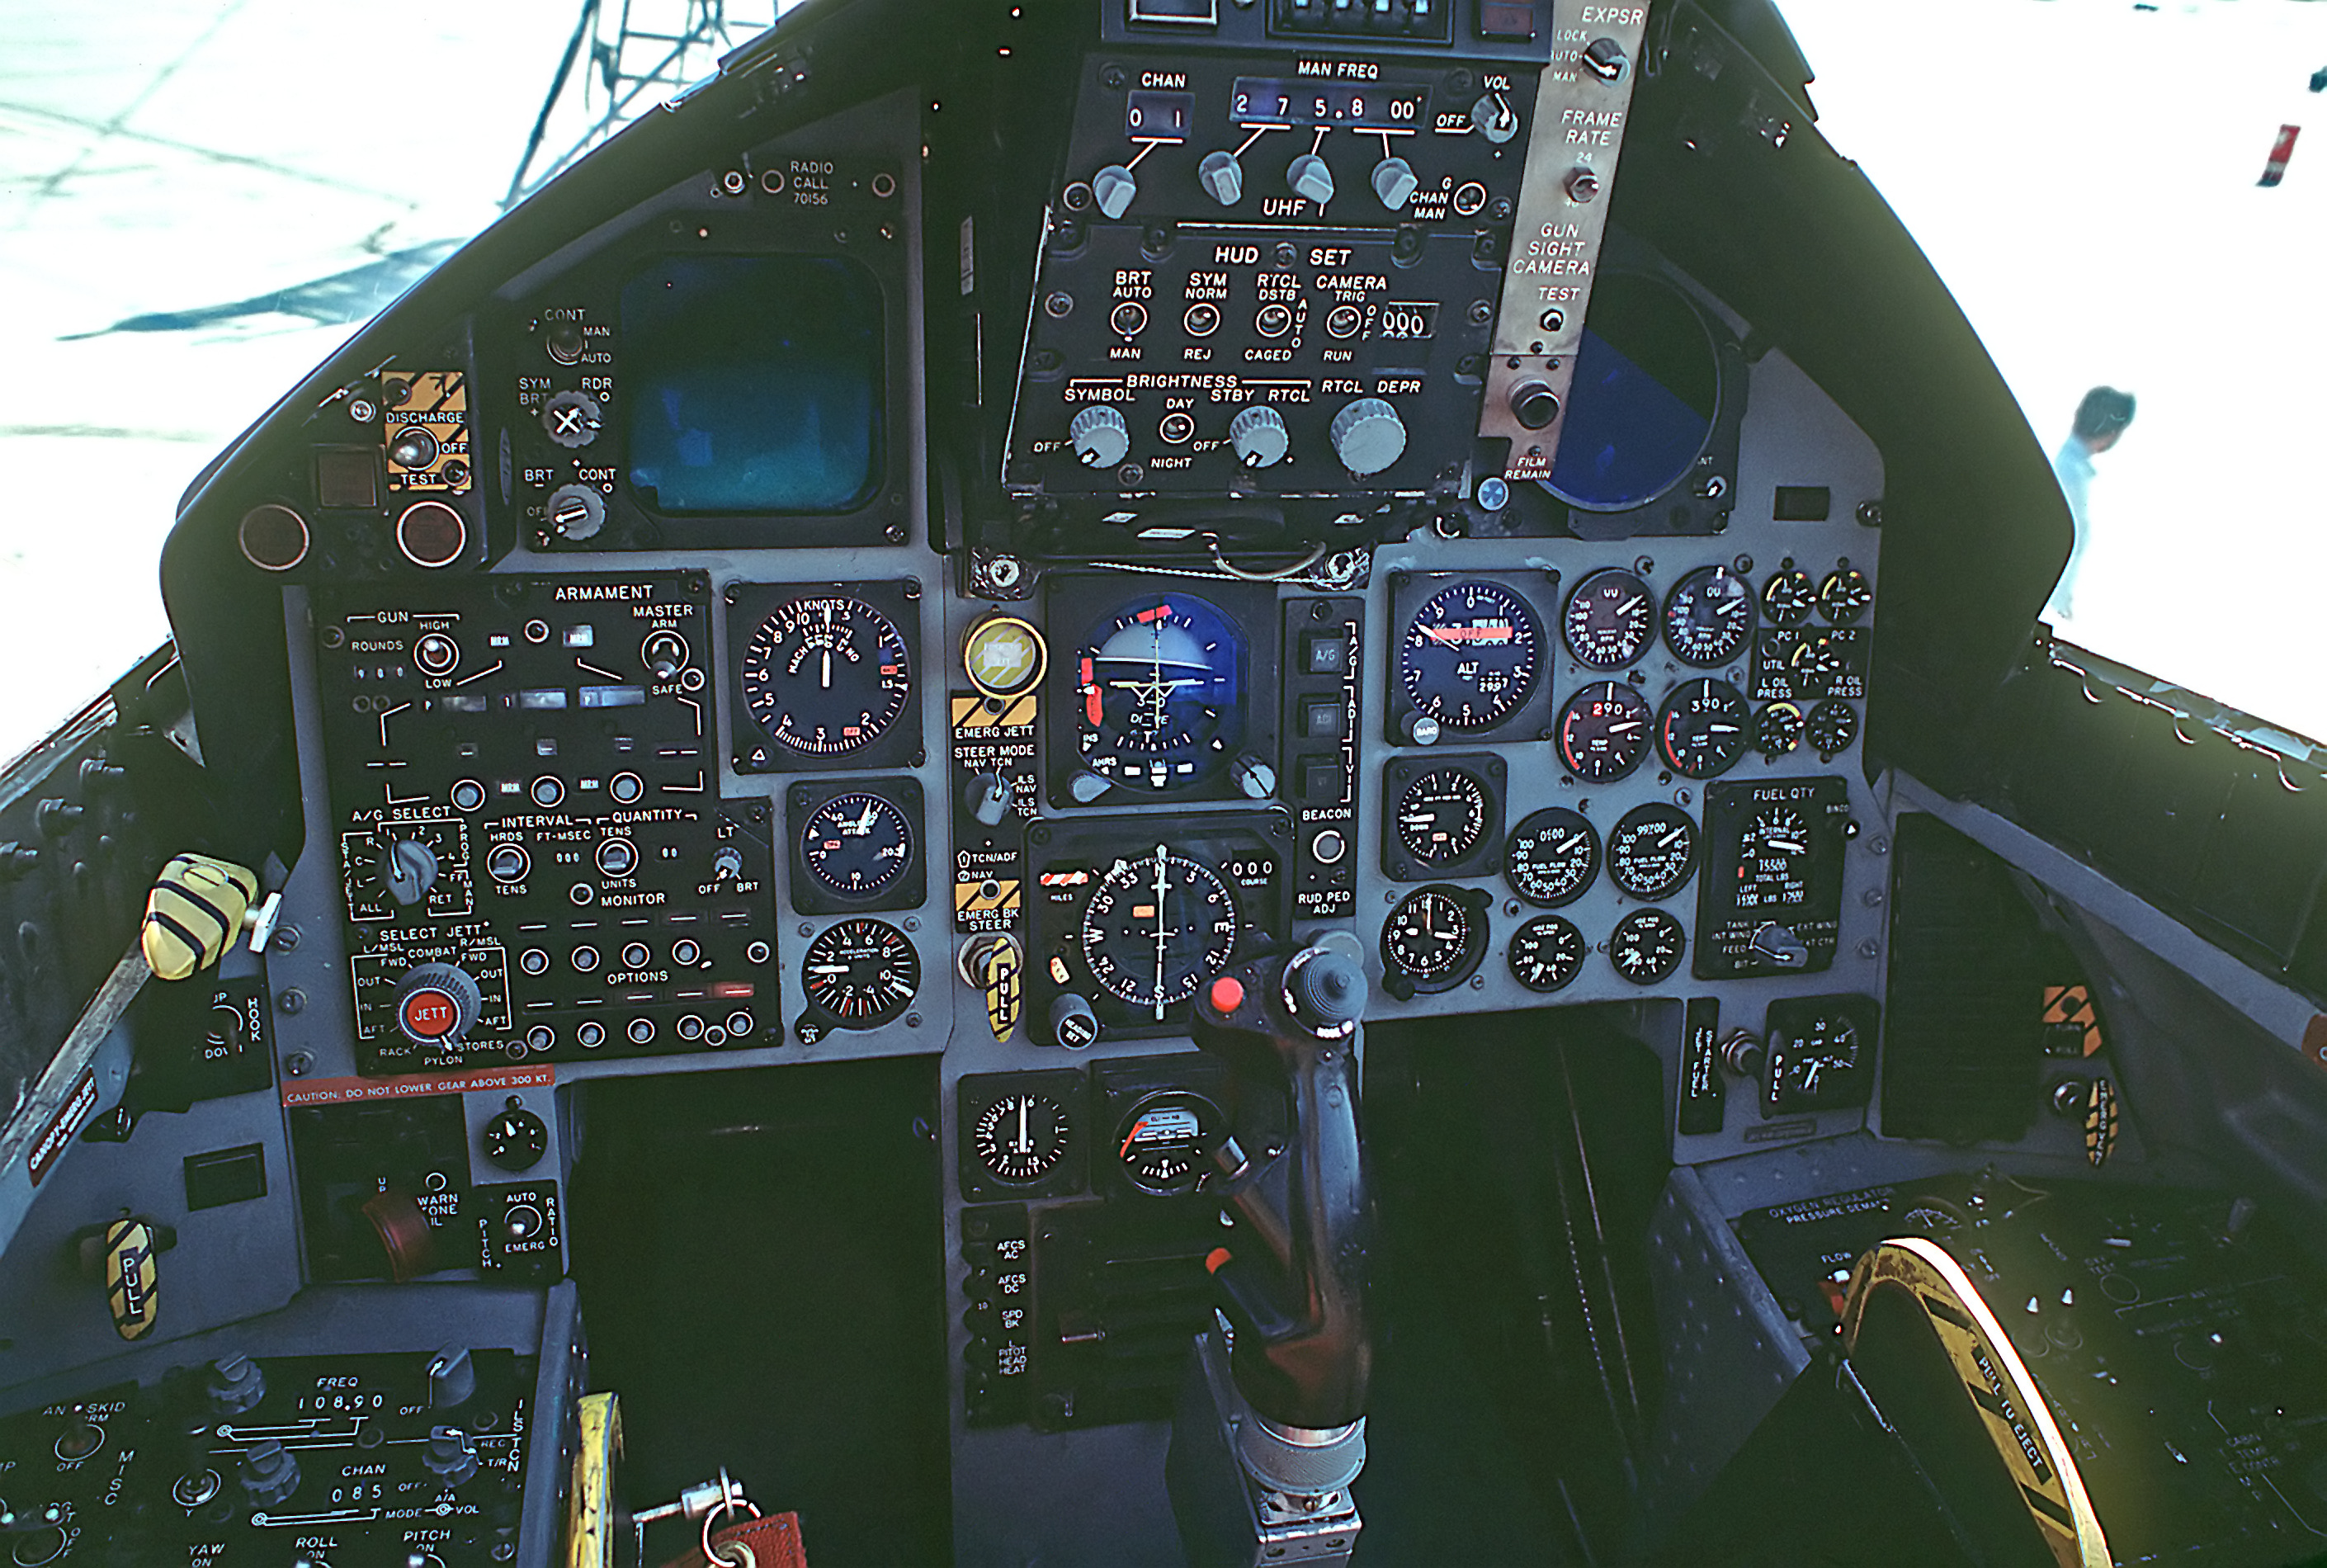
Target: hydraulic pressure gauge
(1647,946)
(1708,616)
(1611,619)
(1777,729)
(1652,849)
(1604,732)
(1705,728)
(1787,597)
(1552,857)
(1547,954)
(1469,658)
(1845,595)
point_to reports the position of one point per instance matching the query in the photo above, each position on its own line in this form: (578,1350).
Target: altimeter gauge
(1469,658)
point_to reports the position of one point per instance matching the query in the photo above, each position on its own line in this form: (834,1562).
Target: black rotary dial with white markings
(1845,595)
(858,845)
(1647,946)
(1604,732)
(1442,815)
(1652,849)
(1708,616)
(1552,857)
(1787,597)
(1705,727)
(1610,619)
(1469,656)
(1156,927)
(826,675)
(861,973)
(1021,1137)
(1433,938)
(1547,954)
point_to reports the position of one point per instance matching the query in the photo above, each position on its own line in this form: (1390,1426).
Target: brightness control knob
(1222,178)
(437,1004)
(1259,437)
(1369,437)
(1100,437)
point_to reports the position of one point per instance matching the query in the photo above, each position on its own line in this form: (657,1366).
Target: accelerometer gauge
(857,846)
(1442,815)
(1547,954)
(1652,849)
(1831,726)
(1604,732)
(1157,927)
(1705,728)
(1787,597)
(1709,616)
(825,676)
(1159,690)
(1610,621)
(1552,857)
(1821,1052)
(1647,946)
(1163,1143)
(1021,1136)
(1434,938)
(1469,656)
(861,973)
(1845,595)
(1777,729)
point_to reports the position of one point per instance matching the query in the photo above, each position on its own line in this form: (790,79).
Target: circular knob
(451,1377)
(1309,176)
(408,870)
(564,342)
(1492,118)
(1222,178)
(1369,435)
(1604,57)
(234,1386)
(572,418)
(989,798)
(1255,779)
(1259,437)
(1100,437)
(1086,786)
(1113,187)
(514,1139)
(270,1472)
(575,512)
(1073,1024)
(1395,182)
(450,1456)
(437,1004)
(1534,404)
(1328,988)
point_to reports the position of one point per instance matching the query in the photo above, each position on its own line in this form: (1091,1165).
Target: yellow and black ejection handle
(198,906)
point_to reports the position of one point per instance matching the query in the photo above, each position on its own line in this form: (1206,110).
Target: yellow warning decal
(425,426)
(1997,1383)
(2100,1121)
(994,713)
(591,1531)
(130,1284)
(1003,993)
(975,898)
(2072,1007)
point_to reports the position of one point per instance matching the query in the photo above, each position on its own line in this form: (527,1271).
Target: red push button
(1227,993)
(430,1015)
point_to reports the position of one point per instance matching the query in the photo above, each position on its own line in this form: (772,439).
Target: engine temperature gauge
(1604,732)
(1163,1143)
(1703,728)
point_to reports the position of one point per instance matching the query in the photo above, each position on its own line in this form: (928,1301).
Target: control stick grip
(1296,1280)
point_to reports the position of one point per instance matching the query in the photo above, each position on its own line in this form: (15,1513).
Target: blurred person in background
(2101,418)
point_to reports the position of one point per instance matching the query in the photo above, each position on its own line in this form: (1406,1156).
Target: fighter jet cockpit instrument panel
(972,718)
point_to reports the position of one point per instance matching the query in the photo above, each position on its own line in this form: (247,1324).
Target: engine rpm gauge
(1703,728)
(1787,597)
(1469,656)
(1604,732)
(1433,939)
(1163,1143)
(1647,946)
(857,846)
(1159,693)
(825,676)
(1552,857)
(1442,815)
(1156,927)
(1652,849)
(1610,621)
(1709,616)
(1831,727)
(1021,1136)
(861,973)
(1845,595)
(1547,954)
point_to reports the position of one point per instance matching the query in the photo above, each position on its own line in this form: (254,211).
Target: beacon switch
(1100,437)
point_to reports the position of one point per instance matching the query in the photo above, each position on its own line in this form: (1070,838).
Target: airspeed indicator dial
(826,675)
(1469,656)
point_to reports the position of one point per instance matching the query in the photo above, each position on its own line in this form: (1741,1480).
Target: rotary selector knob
(1259,437)
(572,418)
(575,512)
(234,1386)
(1113,187)
(270,1472)
(408,870)
(1309,176)
(1073,1022)
(1369,437)
(1395,182)
(514,1139)
(1222,178)
(437,1004)
(1492,118)
(1100,437)
(450,1456)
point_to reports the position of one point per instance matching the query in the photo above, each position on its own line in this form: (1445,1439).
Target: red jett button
(1227,993)
(430,1015)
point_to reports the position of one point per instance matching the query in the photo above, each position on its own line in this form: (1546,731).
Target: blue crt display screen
(1628,436)
(754,384)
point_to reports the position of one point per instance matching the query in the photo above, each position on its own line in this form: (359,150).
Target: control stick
(1270,1430)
